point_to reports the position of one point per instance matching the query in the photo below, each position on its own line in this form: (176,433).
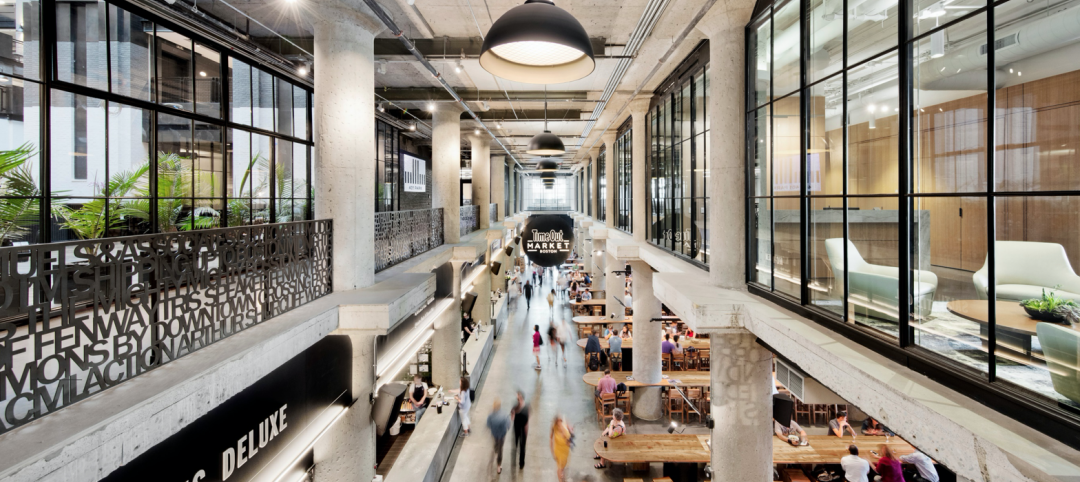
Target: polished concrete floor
(556,388)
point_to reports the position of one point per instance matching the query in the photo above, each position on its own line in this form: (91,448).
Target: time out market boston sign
(548,239)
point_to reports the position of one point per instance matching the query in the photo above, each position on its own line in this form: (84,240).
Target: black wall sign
(548,239)
(273,419)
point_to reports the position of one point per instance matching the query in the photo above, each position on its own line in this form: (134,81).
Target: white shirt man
(855,468)
(923,464)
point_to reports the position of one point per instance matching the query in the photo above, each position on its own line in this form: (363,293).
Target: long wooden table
(686,379)
(686,448)
(585,306)
(629,344)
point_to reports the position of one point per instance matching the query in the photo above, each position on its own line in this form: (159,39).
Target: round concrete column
(609,178)
(741,373)
(599,274)
(344,125)
(446,168)
(639,107)
(481,177)
(446,343)
(511,209)
(594,165)
(615,286)
(498,187)
(727,172)
(648,402)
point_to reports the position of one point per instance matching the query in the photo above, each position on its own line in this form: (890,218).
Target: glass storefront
(889,194)
(148,129)
(677,133)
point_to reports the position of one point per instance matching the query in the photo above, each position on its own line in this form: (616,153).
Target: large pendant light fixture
(538,43)
(546,143)
(547,165)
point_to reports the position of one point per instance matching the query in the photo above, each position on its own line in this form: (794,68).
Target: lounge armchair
(1025,268)
(874,288)
(1059,344)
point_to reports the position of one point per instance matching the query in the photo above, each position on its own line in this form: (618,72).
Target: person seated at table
(606,384)
(792,433)
(587,279)
(689,332)
(925,467)
(837,425)
(592,345)
(855,468)
(888,466)
(626,334)
(586,295)
(628,300)
(872,427)
(607,332)
(667,346)
(615,347)
(418,397)
(677,349)
(615,429)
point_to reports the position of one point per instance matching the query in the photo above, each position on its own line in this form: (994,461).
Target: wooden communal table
(629,344)
(647,448)
(828,449)
(1014,327)
(585,307)
(685,448)
(587,321)
(686,379)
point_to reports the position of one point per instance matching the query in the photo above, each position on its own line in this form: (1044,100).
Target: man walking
(520,414)
(528,294)
(499,424)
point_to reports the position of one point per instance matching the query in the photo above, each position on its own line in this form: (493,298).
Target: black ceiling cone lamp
(547,165)
(546,144)
(538,43)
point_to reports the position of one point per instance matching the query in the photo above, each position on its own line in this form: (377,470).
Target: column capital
(352,12)
(724,16)
(609,139)
(639,106)
(481,139)
(462,255)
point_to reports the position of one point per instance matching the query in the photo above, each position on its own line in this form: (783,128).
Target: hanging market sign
(548,239)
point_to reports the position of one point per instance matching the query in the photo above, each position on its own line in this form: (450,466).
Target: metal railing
(493,214)
(470,219)
(401,235)
(79,317)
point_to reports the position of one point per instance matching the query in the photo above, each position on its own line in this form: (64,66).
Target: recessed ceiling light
(431,107)
(202,73)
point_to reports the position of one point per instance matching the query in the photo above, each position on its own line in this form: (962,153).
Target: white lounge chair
(1025,268)
(874,288)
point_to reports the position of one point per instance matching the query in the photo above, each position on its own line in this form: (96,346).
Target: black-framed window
(877,174)
(678,138)
(140,132)
(589,190)
(387,165)
(601,185)
(624,182)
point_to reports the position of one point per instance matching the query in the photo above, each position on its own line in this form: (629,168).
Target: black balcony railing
(401,235)
(79,317)
(470,219)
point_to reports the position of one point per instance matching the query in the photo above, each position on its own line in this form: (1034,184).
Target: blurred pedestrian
(528,294)
(537,341)
(520,414)
(464,399)
(551,305)
(561,435)
(499,424)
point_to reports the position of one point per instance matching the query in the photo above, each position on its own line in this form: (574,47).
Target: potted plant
(174,188)
(19,196)
(1052,308)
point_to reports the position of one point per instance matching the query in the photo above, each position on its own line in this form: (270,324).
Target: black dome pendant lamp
(538,43)
(546,143)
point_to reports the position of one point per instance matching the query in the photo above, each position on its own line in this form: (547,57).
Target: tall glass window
(387,139)
(139,139)
(624,182)
(888,195)
(677,136)
(601,185)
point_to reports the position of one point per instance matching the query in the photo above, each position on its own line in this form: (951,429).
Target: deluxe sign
(258,434)
(548,239)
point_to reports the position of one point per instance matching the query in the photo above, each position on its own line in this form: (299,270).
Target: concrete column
(609,176)
(648,403)
(344,128)
(446,168)
(599,260)
(481,312)
(594,166)
(498,186)
(446,343)
(727,169)
(481,177)
(741,373)
(615,286)
(587,246)
(512,208)
(639,107)
(347,452)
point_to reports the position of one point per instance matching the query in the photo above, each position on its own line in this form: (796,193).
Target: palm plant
(19,193)
(241,209)
(92,220)
(174,188)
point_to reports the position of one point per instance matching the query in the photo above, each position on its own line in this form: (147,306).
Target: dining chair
(703,359)
(624,399)
(802,410)
(675,406)
(615,359)
(606,404)
(818,409)
(665,362)
(694,394)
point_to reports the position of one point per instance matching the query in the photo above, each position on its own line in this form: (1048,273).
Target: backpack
(594,362)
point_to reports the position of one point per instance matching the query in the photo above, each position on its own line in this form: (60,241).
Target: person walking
(551,305)
(562,334)
(537,341)
(553,343)
(464,400)
(520,416)
(561,433)
(888,466)
(499,424)
(528,294)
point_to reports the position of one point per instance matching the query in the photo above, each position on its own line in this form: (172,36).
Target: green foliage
(242,211)
(20,206)
(174,189)
(92,220)
(1049,302)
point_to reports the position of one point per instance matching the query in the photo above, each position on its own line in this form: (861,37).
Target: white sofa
(1025,268)
(874,288)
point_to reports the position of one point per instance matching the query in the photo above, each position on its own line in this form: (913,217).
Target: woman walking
(551,305)
(553,342)
(560,445)
(536,344)
(464,400)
